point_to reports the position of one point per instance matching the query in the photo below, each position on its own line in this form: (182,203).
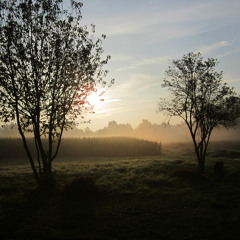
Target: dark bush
(82,187)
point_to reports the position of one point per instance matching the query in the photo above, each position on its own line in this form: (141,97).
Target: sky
(144,36)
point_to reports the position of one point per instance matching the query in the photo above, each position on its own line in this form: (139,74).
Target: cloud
(164,21)
(146,62)
(133,93)
(113,100)
(230,52)
(136,83)
(233,80)
(212,47)
(143,21)
(121,57)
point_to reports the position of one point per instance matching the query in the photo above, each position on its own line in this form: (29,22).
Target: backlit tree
(200,98)
(49,64)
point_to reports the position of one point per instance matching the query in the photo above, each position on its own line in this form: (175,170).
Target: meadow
(138,197)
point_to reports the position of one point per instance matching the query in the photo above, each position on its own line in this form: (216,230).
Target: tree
(200,98)
(49,65)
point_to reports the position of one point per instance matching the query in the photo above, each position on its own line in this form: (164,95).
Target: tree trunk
(35,172)
(47,180)
(201,165)
(200,151)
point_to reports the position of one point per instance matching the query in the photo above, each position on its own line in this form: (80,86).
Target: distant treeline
(145,130)
(86,147)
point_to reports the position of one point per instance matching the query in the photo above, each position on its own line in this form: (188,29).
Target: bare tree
(198,96)
(49,64)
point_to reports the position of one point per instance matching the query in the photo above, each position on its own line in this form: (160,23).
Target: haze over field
(145,130)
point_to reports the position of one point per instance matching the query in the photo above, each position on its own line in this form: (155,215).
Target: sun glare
(96,100)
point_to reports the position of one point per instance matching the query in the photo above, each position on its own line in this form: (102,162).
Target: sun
(96,100)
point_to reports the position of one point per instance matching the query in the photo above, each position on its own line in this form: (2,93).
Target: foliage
(198,96)
(49,64)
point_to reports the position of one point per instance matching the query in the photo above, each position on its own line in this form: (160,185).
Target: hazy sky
(143,36)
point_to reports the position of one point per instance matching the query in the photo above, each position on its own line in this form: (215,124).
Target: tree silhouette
(49,64)
(200,98)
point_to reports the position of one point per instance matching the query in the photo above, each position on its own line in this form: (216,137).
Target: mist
(164,133)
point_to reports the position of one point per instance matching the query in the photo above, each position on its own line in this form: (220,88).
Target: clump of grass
(82,187)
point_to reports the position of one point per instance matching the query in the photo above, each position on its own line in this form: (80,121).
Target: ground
(156,197)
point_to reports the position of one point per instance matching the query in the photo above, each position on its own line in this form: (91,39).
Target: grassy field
(150,197)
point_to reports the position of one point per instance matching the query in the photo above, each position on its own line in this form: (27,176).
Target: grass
(154,197)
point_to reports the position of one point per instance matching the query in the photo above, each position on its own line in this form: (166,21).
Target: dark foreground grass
(134,198)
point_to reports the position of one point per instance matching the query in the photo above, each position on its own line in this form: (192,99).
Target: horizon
(164,133)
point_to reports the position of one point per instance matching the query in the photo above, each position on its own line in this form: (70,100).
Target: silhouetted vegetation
(85,147)
(200,98)
(49,64)
(109,147)
(82,187)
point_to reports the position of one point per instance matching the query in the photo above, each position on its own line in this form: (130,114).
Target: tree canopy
(200,98)
(49,64)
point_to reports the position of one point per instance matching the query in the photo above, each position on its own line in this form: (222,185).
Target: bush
(82,187)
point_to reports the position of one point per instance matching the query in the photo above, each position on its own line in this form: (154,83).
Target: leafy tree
(198,96)
(49,64)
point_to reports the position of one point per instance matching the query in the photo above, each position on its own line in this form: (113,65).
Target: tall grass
(86,147)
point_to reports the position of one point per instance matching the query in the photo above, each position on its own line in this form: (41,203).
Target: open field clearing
(148,197)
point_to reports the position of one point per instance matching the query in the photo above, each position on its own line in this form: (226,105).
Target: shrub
(82,187)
